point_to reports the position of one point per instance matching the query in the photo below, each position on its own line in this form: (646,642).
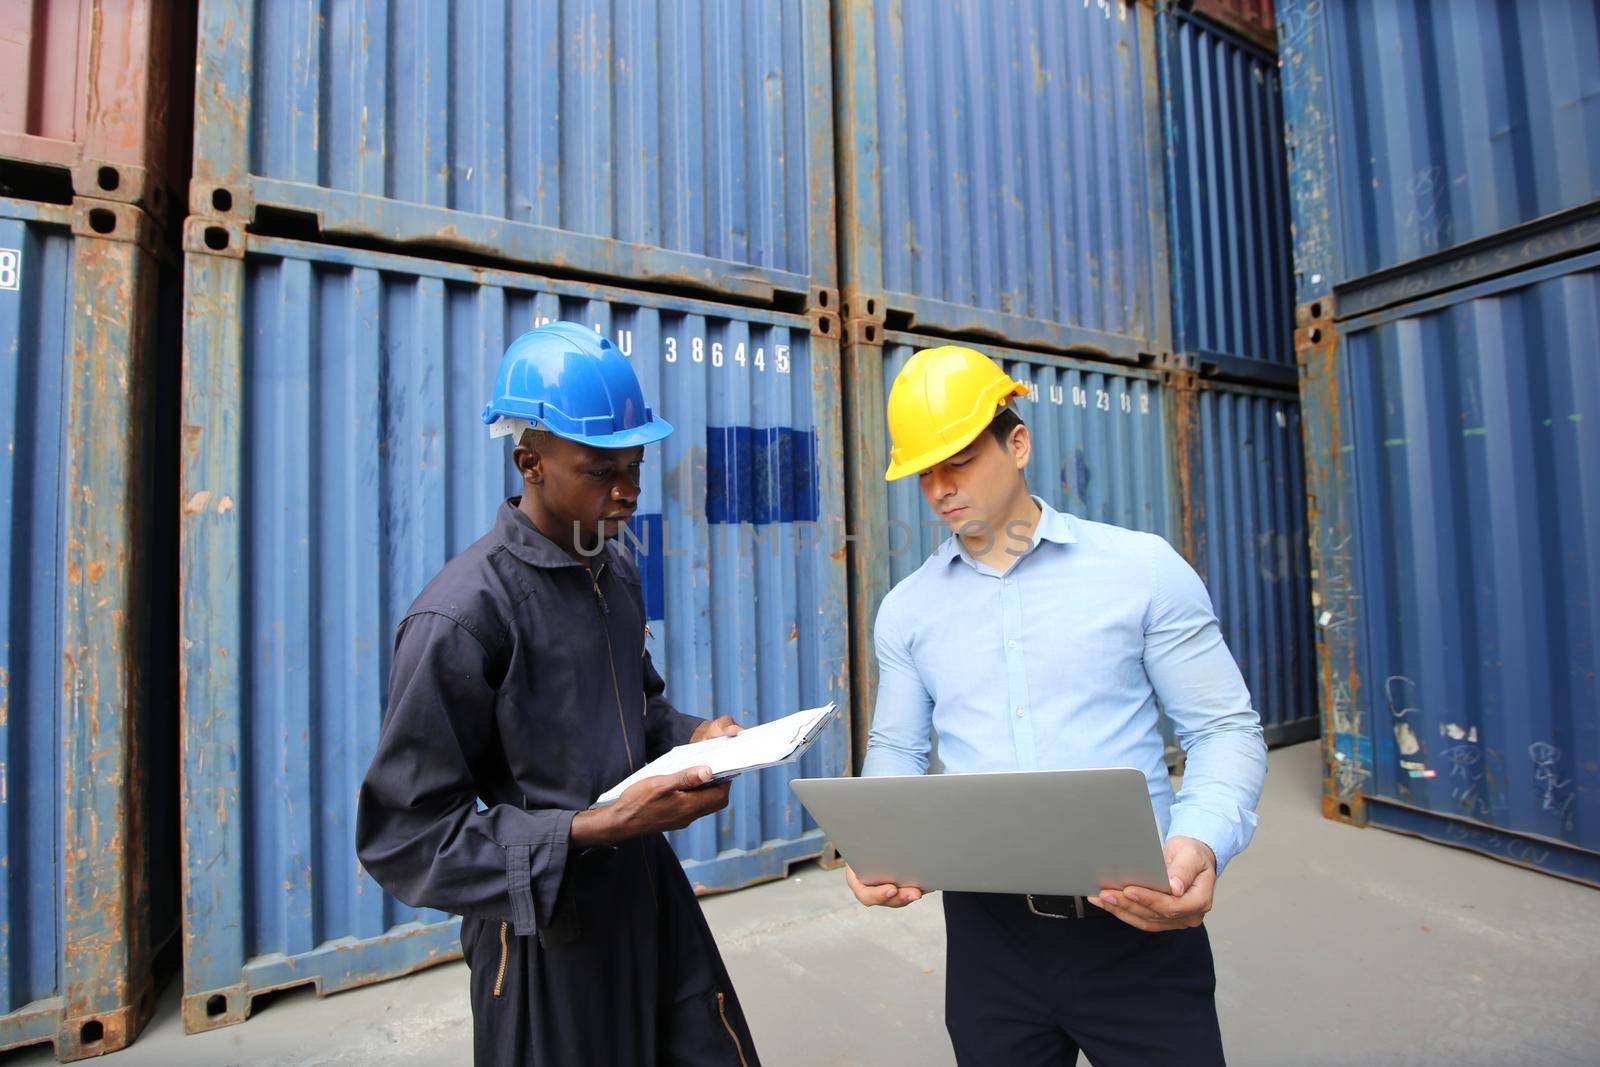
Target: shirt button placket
(1016,673)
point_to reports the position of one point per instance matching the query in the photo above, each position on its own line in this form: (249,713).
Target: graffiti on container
(1294,24)
(1435,230)
(1516,849)
(699,349)
(1467,778)
(1337,597)
(1402,695)
(1555,792)
(1350,772)
(1339,592)
(1294,35)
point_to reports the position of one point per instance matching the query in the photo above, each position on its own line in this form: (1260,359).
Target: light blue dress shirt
(1058,664)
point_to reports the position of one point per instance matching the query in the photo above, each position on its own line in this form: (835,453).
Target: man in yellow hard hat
(1037,640)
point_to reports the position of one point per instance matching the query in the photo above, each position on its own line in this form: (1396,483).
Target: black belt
(1048,907)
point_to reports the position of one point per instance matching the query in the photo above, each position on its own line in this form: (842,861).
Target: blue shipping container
(1243,482)
(668,143)
(336,461)
(35,298)
(1227,202)
(1421,126)
(1000,170)
(1445,186)
(85,853)
(1458,551)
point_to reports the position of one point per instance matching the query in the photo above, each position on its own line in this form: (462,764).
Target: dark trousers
(1025,990)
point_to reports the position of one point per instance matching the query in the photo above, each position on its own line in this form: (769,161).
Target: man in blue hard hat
(521,690)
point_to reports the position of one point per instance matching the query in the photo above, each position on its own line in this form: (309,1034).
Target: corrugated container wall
(1228,203)
(1102,450)
(86,847)
(662,143)
(336,460)
(1418,127)
(1242,480)
(1000,170)
(102,89)
(1463,568)
(1445,183)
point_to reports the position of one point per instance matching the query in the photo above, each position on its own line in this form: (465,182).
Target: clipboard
(755,748)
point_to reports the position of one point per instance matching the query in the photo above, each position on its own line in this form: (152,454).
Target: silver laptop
(1069,833)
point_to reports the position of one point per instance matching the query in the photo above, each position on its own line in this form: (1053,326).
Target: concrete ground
(1333,945)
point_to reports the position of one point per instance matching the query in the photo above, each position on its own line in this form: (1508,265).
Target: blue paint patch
(760,475)
(649,550)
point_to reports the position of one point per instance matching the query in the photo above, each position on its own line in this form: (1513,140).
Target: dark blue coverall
(520,677)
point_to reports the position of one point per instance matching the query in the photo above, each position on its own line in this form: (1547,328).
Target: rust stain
(96,571)
(224,505)
(197,503)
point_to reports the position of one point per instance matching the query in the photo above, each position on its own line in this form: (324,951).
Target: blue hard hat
(576,384)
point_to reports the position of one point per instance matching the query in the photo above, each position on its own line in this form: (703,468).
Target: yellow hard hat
(942,399)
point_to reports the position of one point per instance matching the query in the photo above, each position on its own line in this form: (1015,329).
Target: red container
(102,89)
(1251,18)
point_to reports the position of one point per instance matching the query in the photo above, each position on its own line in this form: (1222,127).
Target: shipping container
(334,460)
(87,849)
(1455,459)
(1445,189)
(1433,144)
(1241,478)
(651,143)
(101,90)
(1251,19)
(1000,172)
(1227,204)
(1102,450)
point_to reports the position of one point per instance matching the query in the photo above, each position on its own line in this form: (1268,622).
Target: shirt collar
(523,539)
(1053,526)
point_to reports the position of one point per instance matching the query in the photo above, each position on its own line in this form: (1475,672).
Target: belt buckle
(1077,906)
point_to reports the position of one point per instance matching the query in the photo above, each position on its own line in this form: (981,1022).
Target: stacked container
(1240,447)
(88,840)
(1062,187)
(367,235)
(1446,193)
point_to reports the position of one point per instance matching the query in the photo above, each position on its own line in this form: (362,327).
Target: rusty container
(1446,201)
(100,92)
(88,657)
